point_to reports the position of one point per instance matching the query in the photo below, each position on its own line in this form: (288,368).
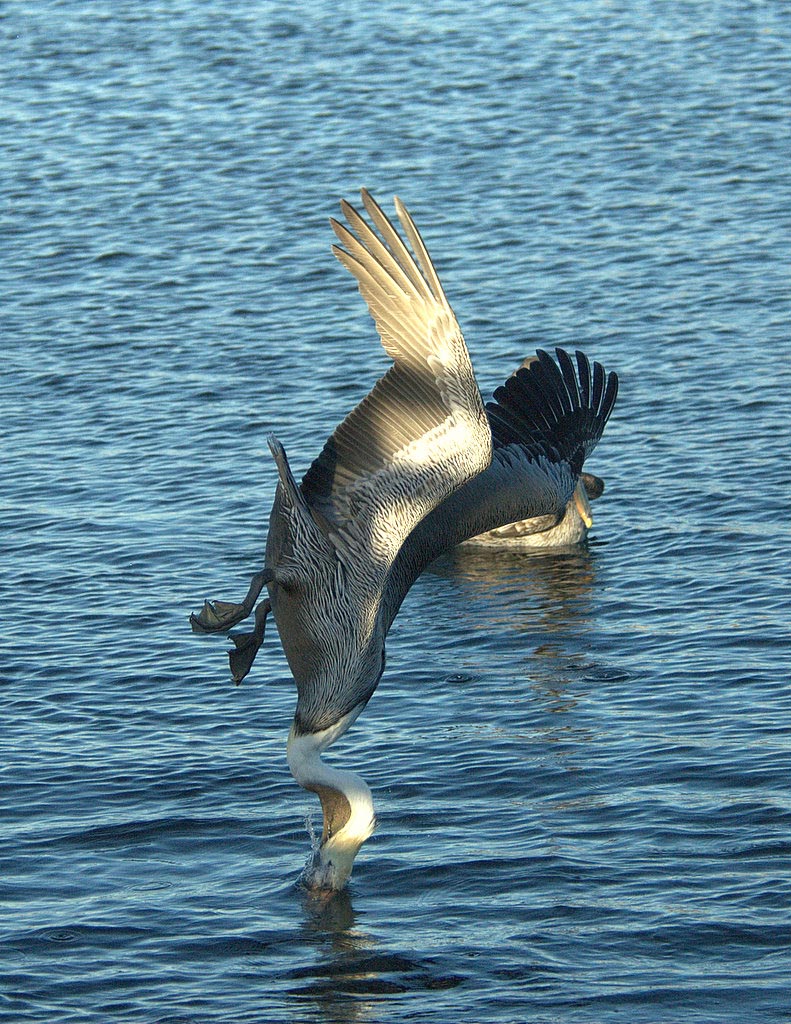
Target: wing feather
(422,431)
(552,405)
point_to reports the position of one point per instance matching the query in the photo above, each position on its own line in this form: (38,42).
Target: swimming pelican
(534,534)
(545,533)
(416,468)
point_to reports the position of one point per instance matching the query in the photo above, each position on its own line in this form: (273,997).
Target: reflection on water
(330,915)
(536,603)
(521,590)
(534,613)
(342,972)
(352,971)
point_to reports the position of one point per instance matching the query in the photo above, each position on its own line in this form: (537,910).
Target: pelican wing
(422,431)
(519,483)
(556,406)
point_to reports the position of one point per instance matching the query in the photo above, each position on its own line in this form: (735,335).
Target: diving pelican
(417,467)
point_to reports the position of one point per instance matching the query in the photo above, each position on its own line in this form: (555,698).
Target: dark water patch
(379,974)
(231,947)
(76,936)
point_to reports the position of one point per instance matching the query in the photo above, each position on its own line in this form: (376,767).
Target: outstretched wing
(557,406)
(422,431)
(546,419)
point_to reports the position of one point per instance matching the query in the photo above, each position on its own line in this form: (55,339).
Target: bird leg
(241,659)
(217,616)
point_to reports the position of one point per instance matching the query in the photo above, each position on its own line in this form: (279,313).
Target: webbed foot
(217,616)
(242,657)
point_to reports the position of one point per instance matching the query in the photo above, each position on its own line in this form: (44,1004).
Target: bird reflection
(342,972)
(353,974)
(527,592)
(329,913)
(541,607)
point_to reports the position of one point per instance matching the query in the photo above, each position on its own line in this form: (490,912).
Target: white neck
(346,801)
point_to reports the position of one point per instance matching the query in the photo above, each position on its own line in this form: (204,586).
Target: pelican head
(346,803)
(589,487)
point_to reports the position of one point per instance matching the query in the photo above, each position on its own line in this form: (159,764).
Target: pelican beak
(583,505)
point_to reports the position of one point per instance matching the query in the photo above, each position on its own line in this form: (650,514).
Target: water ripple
(579,762)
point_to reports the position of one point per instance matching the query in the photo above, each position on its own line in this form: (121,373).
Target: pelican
(546,532)
(417,467)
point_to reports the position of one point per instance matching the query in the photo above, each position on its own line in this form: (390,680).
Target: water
(580,762)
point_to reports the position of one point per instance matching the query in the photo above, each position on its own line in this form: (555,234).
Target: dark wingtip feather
(569,376)
(584,376)
(557,384)
(553,406)
(610,395)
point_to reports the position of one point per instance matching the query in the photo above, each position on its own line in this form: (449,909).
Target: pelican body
(419,466)
(542,533)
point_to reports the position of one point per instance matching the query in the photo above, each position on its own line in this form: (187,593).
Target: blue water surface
(581,761)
